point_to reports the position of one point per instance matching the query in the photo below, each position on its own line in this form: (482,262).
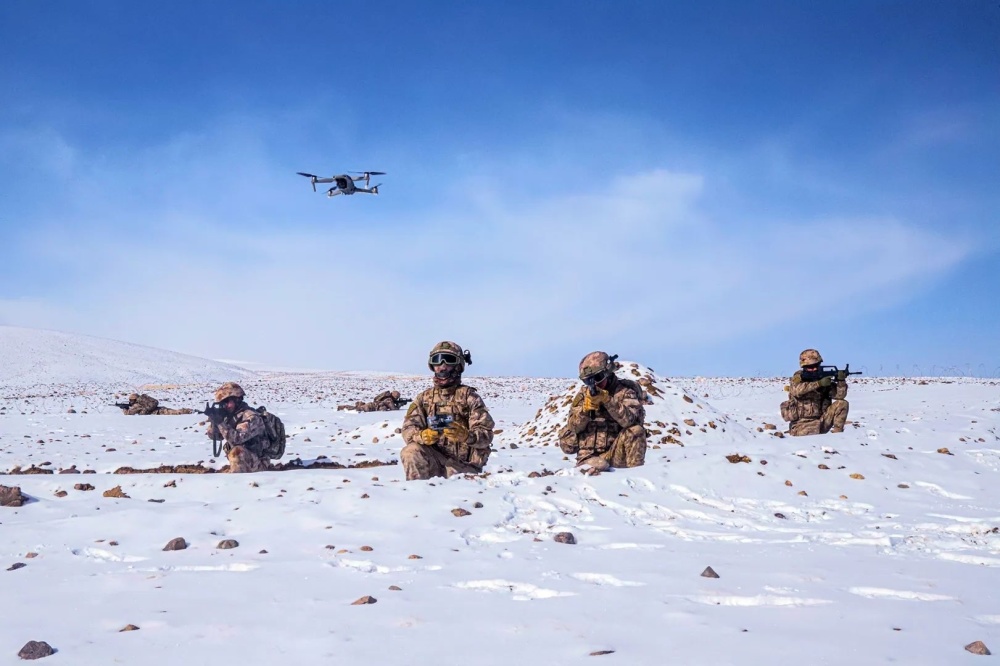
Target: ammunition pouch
(790,410)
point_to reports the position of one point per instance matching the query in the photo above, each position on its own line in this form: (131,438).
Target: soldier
(815,407)
(605,424)
(146,405)
(387,401)
(242,429)
(447,429)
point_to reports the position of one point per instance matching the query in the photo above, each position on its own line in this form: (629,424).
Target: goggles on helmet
(598,378)
(445,358)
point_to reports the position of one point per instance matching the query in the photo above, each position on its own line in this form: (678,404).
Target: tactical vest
(456,406)
(602,430)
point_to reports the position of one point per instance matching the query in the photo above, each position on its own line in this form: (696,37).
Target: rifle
(121,405)
(403,401)
(828,371)
(215,414)
(439,422)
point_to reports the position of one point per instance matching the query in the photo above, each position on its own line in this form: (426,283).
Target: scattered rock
(788,483)
(367,599)
(128,627)
(61,493)
(16,566)
(709,572)
(945,451)
(415,557)
(176,544)
(770,426)
(598,653)
(458,513)
(116,492)
(902,485)
(226,544)
(12,496)
(395,588)
(855,475)
(890,455)
(367,549)
(822,466)
(87,486)
(477,505)
(35,650)
(978,647)
(565,537)
(30,556)
(779,515)
(737,458)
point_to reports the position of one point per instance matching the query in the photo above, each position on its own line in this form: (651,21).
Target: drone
(345,182)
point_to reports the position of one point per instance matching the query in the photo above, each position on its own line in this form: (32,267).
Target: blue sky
(704,187)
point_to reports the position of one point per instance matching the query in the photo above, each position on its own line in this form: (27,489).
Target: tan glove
(456,433)
(593,402)
(429,437)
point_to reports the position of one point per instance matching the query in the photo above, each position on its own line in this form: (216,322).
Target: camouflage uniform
(146,405)
(243,432)
(815,409)
(383,402)
(444,456)
(612,435)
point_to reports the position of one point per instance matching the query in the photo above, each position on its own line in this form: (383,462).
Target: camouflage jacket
(383,402)
(143,405)
(464,404)
(244,428)
(811,399)
(595,431)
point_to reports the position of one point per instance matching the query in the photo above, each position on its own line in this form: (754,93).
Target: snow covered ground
(879,545)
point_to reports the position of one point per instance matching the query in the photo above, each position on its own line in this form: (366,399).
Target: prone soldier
(147,405)
(386,401)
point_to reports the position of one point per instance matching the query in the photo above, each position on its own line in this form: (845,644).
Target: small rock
(12,496)
(477,505)
(85,486)
(226,544)
(116,492)
(737,458)
(855,475)
(458,513)
(35,650)
(598,653)
(367,549)
(564,537)
(170,484)
(262,552)
(709,572)
(61,493)
(395,588)
(176,544)
(902,485)
(945,451)
(770,426)
(367,599)
(32,555)
(779,515)
(978,647)
(128,627)
(16,566)
(415,557)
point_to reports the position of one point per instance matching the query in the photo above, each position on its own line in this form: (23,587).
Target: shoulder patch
(413,408)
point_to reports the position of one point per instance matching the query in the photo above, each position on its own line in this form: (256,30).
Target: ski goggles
(598,378)
(445,358)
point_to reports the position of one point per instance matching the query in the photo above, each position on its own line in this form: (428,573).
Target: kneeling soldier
(605,424)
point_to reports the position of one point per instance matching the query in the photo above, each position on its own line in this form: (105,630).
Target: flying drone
(345,182)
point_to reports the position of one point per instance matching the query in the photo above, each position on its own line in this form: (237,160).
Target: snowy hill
(34,357)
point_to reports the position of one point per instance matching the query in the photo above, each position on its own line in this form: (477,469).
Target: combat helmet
(596,367)
(132,397)
(451,353)
(229,390)
(394,395)
(809,357)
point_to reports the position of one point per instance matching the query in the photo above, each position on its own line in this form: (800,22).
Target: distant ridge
(33,357)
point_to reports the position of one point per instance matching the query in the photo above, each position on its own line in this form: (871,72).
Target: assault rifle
(403,401)
(121,405)
(828,371)
(439,422)
(215,414)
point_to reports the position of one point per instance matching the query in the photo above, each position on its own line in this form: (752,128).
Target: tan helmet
(595,363)
(447,347)
(132,397)
(809,357)
(394,395)
(229,390)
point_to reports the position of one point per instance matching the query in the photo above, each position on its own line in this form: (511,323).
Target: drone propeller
(367,175)
(310,177)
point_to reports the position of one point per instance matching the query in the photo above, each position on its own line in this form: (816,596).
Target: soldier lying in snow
(146,405)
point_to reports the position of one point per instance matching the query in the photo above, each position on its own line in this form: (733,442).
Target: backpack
(274,434)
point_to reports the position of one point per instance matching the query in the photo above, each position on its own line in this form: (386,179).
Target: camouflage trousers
(425,462)
(243,460)
(627,450)
(166,411)
(833,420)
